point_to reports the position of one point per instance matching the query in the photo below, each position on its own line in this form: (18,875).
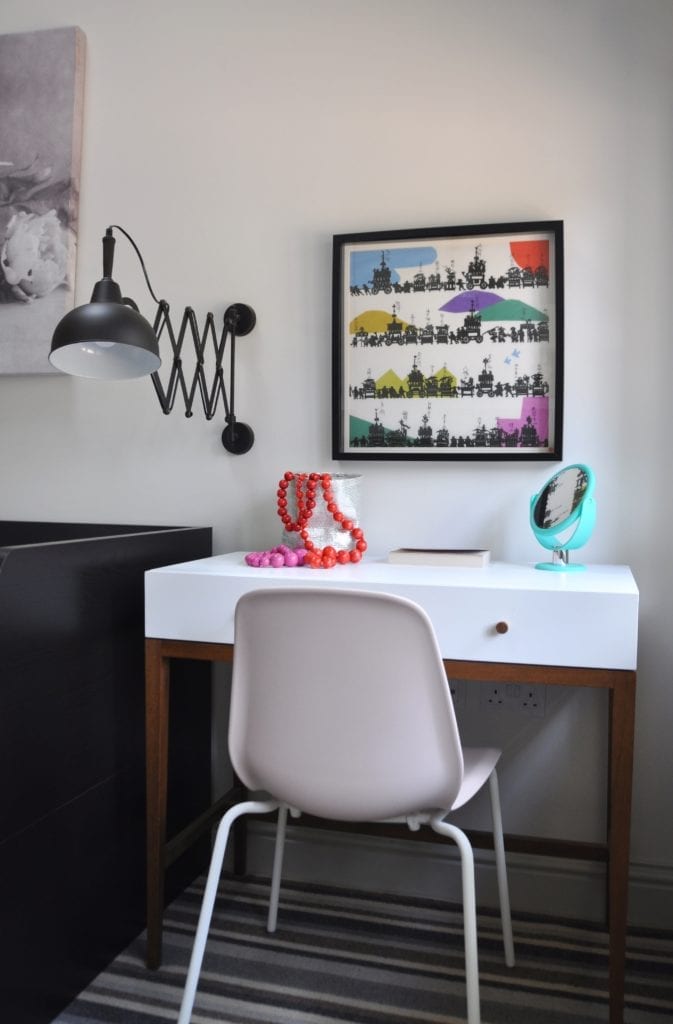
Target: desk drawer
(575,629)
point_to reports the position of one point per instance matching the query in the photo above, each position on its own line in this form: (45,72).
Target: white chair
(340,708)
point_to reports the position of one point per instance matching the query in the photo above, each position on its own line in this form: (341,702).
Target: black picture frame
(448,343)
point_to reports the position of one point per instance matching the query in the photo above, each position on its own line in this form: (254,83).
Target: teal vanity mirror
(562,515)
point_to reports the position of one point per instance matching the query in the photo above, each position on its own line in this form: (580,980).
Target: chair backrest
(340,705)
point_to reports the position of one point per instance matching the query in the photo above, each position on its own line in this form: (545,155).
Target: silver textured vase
(322,529)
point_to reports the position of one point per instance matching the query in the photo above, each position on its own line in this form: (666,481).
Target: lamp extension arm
(239,320)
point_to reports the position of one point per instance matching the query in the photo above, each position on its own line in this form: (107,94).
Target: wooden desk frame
(621,685)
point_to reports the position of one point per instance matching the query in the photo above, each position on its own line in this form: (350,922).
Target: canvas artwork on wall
(41,98)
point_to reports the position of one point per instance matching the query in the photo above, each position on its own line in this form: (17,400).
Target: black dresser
(72,747)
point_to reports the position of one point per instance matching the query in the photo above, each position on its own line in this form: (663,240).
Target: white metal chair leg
(277,868)
(209,895)
(469,915)
(501,870)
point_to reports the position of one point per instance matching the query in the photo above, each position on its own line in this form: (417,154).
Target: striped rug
(341,956)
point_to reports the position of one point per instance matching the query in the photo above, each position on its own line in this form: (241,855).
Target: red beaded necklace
(317,558)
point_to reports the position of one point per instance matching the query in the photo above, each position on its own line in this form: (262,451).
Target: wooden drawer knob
(501,627)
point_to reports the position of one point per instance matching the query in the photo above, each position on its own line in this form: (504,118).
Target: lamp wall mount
(108,339)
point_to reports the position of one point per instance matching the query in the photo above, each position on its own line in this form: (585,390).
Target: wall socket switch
(517,697)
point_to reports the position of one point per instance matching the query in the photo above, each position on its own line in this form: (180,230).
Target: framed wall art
(41,98)
(448,343)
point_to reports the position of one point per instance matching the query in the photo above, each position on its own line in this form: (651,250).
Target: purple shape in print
(466,302)
(534,409)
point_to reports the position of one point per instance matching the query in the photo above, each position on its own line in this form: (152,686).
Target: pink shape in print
(534,413)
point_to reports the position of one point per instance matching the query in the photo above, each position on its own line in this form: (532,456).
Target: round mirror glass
(558,500)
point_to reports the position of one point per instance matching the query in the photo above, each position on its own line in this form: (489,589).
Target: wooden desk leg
(157,677)
(622,723)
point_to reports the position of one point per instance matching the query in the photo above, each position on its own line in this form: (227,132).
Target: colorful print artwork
(449,346)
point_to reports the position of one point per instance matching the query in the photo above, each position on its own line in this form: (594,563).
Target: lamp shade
(105,341)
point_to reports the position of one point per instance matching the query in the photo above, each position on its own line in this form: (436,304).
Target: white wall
(232,140)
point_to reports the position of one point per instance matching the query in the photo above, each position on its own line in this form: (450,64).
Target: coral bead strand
(305,488)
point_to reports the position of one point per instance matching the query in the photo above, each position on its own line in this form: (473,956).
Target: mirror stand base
(560,566)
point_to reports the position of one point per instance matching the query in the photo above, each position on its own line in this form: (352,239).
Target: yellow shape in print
(373,321)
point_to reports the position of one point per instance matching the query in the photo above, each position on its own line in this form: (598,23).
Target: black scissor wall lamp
(108,339)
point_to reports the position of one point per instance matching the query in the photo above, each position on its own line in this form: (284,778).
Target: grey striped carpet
(350,957)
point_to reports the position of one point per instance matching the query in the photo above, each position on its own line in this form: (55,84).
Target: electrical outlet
(514,697)
(493,696)
(532,700)
(458,695)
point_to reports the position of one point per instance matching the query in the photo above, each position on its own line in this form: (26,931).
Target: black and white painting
(41,97)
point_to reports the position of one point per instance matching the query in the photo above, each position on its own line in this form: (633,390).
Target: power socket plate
(514,697)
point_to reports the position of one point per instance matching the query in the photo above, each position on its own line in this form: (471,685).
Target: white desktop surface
(585,618)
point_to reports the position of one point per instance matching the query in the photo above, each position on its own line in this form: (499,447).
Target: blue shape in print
(364,263)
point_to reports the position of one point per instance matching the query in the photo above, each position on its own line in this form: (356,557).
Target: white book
(474,557)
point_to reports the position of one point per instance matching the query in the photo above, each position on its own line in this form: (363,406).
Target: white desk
(504,623)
